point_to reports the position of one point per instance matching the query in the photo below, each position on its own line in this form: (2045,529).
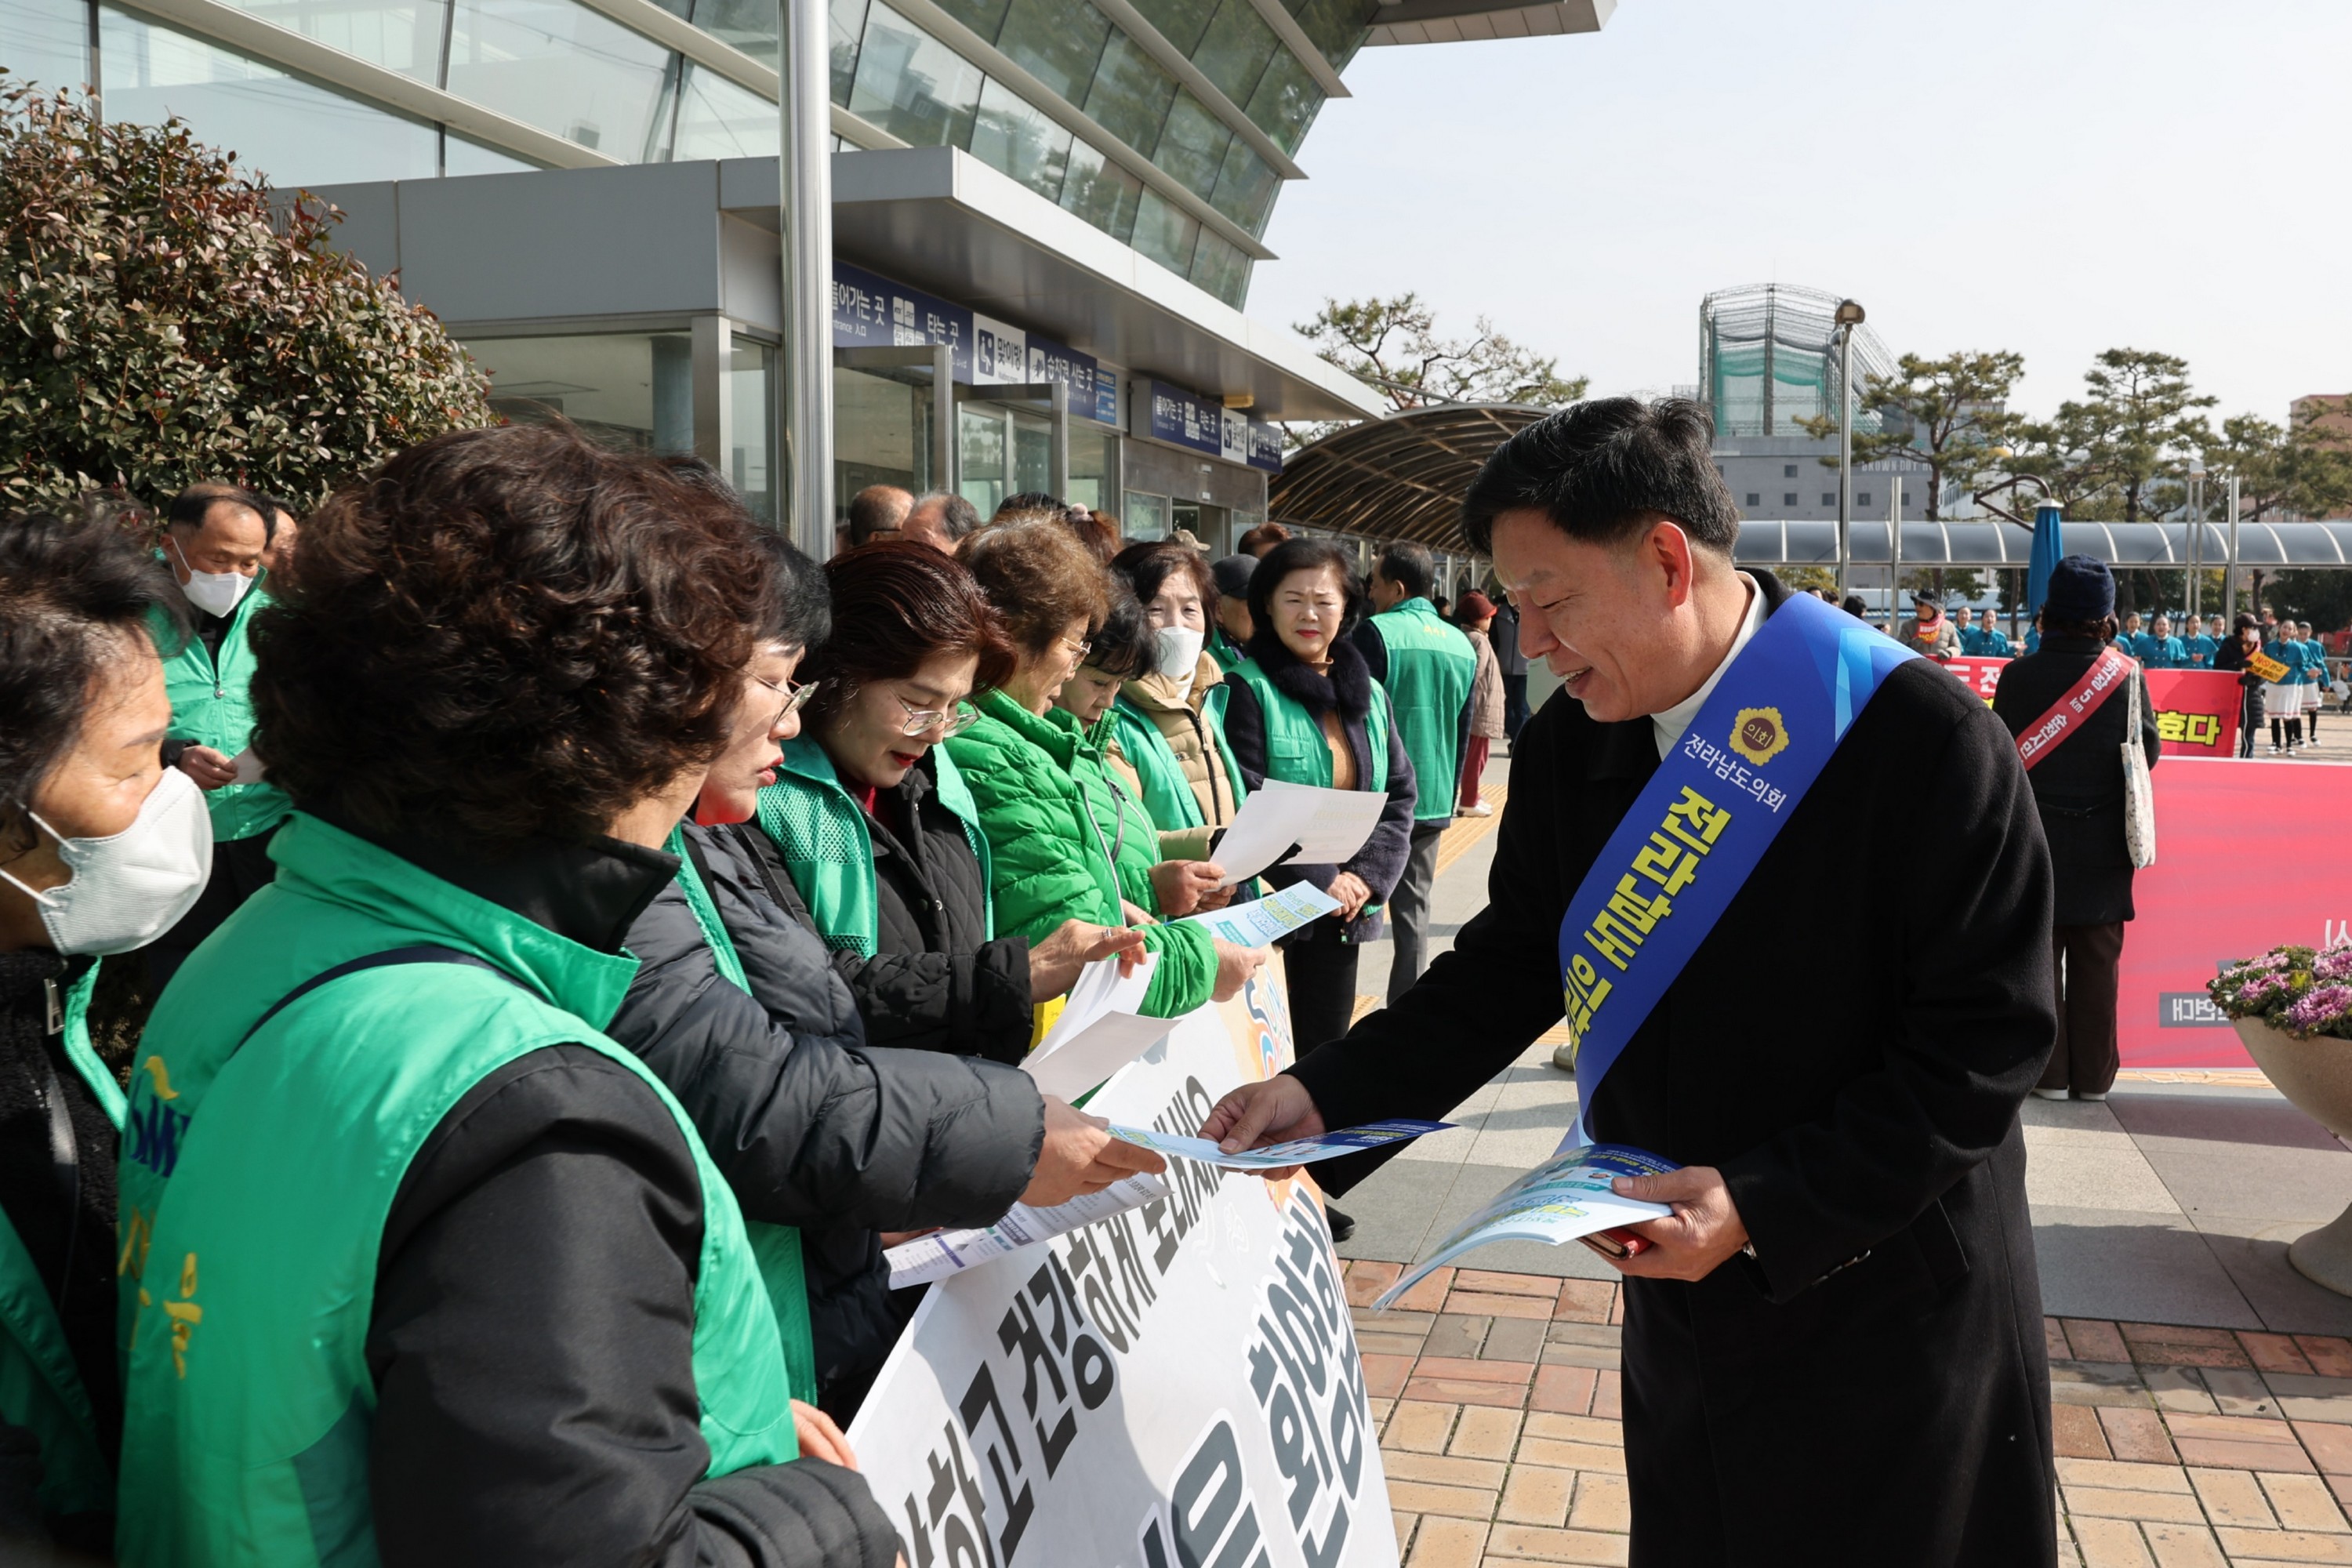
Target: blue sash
(1706,818)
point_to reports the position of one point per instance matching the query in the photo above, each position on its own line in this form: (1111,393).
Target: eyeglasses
(1079,646)
(795,697)
(923,720)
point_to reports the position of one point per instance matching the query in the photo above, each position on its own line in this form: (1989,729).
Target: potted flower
(2293,1008)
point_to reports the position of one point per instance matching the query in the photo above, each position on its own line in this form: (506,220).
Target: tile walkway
(2177,1447)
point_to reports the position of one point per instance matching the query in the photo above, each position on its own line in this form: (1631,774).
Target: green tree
(1394,345)
(2302,470)
(1947,412)
(2111,455)
(162,323)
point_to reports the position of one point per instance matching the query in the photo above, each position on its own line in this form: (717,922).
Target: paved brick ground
(2177,1447)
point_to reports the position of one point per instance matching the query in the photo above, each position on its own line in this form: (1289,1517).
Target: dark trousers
(1409,908)
(1514,704)
(241,867)
(2084,961)
(1319,969)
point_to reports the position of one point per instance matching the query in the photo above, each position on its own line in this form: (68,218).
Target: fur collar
(1349,687)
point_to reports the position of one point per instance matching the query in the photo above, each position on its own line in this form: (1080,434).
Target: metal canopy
(1993,542)
(1402,477)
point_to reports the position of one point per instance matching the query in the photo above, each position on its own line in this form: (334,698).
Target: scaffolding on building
(1768,358)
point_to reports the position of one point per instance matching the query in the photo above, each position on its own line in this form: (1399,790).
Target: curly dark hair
(505,634)
(1039,577)
(74,592)
(896,604)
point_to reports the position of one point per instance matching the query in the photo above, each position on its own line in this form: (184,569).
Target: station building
(1046,212)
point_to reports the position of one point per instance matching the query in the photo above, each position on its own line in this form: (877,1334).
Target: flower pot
(2316,1074)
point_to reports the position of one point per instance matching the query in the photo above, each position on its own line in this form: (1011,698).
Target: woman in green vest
(1170,718)
(874,834)
(1306,709)
(1057,848)
(418,1265)
(101,848)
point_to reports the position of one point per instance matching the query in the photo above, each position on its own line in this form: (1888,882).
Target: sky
(2056,178)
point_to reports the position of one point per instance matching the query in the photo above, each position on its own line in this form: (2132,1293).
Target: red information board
(2249,855)
(2197,710)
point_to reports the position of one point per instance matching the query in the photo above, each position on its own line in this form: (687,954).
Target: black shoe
(1342,1225)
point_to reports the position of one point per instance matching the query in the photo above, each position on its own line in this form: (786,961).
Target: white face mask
(214,593)
(127,891)
(1180,651)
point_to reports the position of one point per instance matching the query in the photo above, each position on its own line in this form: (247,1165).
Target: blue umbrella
(2047,548)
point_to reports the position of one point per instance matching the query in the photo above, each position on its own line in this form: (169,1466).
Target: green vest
(40,1387)
(1296,751)
(1166,793)
(1224,650)
(212,705)
(1431,667)
(776,1246)
(829,851)
(248,1256)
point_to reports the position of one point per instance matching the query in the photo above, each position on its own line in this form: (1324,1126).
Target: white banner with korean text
(1174,1386)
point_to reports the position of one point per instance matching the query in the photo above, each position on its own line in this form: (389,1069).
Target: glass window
(1165,233)
(462,156)
(294,131)
(1013,135)
(1862,499)
(557,64)
(848,26)
(1285,102)
(751,444)
(1100,192)
(1059,42)
(1181,22)
(881,431)
(717,119)
(1093,483)
(634,388)
(1192,147)
(1829,498)
(47,41)
(404,35)
(1788,470)
(1144,516)
(1236,49)
(982,16)
(1221,268)
(1336,26)
(980,458)
(1193,144)
(1032,454)
(1130,95)
(748,25)
(1246,187)
(1789,498)
(1754,499)
(913,86)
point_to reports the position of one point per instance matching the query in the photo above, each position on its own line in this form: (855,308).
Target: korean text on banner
(2197,710)
(1175,1384)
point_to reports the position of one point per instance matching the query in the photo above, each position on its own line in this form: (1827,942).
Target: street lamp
(1849,316)
(2196,533)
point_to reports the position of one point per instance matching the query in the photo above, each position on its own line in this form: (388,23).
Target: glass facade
(634,388)
(46,41)
(750,465)
(889,69)
(881,431)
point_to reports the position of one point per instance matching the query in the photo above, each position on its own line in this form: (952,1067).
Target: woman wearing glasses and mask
(102,849)
(875,833)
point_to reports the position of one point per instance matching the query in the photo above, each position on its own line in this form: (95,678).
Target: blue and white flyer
(1565,1198)
(1274,1156)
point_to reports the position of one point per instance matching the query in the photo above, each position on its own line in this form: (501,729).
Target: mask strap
(39,897)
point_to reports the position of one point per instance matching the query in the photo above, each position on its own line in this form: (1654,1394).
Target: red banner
(2246,861)
(2197,710)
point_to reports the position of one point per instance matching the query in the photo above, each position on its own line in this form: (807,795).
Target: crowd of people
(583,933)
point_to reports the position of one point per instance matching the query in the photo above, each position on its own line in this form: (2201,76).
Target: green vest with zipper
(1167,793)
(829,850)
(1431,667)
(249,1243)
(1296,751)
(212,705)
(41,1388)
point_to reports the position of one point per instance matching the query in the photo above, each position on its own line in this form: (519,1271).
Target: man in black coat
(1835,1336)
(2078,787)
